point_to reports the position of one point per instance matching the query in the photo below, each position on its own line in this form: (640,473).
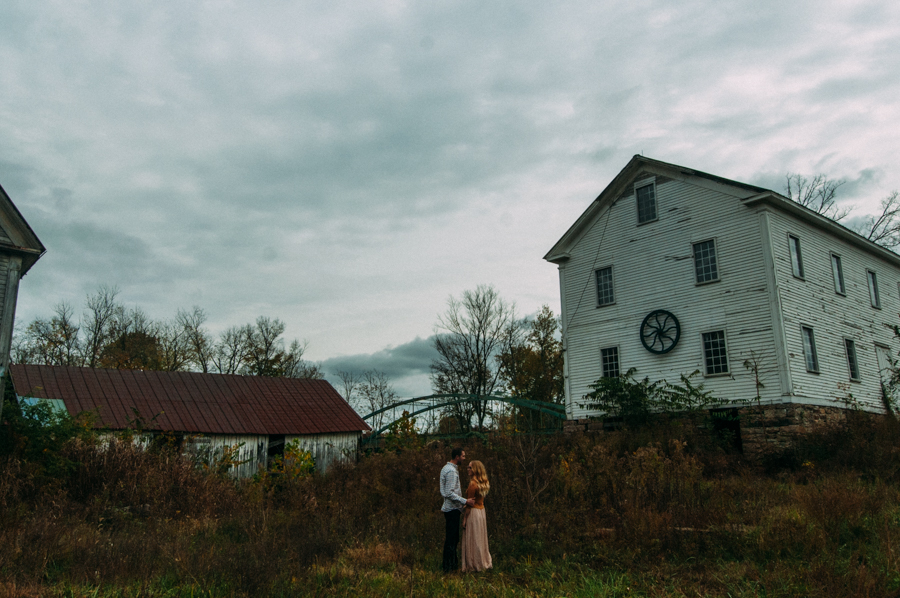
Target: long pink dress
(475,553)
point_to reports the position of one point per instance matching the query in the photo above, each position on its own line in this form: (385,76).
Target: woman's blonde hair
(479,476)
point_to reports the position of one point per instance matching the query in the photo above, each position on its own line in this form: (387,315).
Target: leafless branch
(818,194)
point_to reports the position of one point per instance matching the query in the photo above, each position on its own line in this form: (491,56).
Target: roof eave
(839,230)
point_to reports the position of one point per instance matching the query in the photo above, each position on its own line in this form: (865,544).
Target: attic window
(646,201)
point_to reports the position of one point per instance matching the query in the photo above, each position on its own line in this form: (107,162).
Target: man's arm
(449,480)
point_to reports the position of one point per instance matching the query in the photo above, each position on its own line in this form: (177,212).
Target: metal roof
(192,402)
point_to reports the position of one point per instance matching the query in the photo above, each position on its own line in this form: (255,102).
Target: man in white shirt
(454,503)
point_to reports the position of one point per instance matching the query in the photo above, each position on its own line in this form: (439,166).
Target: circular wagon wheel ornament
(660,331)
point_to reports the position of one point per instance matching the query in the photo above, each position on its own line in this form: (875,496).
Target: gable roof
(192,402)
(747,194)
(16,235)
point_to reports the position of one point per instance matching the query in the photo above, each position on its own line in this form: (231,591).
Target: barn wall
(653,269)
(813,302)
(328,449)
(251,449)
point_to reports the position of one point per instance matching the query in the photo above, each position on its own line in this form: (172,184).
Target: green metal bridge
(439,401)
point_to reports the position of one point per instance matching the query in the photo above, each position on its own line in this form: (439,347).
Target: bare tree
(469,338)
(883,229)
(174,349)
(376,392)
(231,349)
(818,194)
(100,312)
(350,382)
(296,367)
(52,342)
(200,344)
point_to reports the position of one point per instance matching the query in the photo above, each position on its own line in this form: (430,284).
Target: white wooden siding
(654,269)
(813,302)
(4,269)
(326,449)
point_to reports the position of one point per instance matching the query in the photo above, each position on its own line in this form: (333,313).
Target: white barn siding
(653,268)
(813,302)
(4,269)
(328,449)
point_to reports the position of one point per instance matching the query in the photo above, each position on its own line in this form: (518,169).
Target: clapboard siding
(653,268)
(813,302)
(252,450)
(4,275)
(329,449)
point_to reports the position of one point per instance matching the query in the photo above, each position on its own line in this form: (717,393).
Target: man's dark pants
(451,561)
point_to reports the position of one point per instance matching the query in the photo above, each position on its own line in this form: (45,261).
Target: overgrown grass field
(663,511)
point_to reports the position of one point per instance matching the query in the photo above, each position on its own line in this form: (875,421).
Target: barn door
(885,371)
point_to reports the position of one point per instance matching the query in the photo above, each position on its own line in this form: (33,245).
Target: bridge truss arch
(439,401)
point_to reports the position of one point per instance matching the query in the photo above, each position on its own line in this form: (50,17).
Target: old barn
(206,412)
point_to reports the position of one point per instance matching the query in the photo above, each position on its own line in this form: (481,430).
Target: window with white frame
(609,360)
(715,353)
(796,257)
(605,293)
(852,362)
(874,297)
(838,271)
(706,268)
(809,349)
(646,202)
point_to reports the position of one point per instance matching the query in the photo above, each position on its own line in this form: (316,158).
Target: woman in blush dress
(475,554)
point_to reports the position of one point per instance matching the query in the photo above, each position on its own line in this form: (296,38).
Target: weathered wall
(813,302)
(326,449)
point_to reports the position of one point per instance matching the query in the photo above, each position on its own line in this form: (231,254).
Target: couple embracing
(475,555)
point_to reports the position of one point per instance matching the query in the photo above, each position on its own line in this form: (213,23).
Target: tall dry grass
(675,505)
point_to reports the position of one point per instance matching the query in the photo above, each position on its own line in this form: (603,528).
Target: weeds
(654,513)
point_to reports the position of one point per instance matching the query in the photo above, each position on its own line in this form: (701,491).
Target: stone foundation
(770,428)
(763,429)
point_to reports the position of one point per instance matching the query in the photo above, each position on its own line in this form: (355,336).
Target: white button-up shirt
(450,488)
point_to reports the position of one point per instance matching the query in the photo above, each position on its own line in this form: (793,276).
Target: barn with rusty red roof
(208,412)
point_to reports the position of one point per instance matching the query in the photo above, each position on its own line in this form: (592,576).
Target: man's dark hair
(456,452)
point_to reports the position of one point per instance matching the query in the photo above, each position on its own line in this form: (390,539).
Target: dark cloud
(409,359)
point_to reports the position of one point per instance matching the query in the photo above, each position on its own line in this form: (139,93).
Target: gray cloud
(407,366)
(346,169)
(409,359)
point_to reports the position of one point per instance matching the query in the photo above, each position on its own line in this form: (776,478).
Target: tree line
(107,334)
(483,349)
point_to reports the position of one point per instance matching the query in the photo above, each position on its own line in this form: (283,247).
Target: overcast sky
(346,167)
